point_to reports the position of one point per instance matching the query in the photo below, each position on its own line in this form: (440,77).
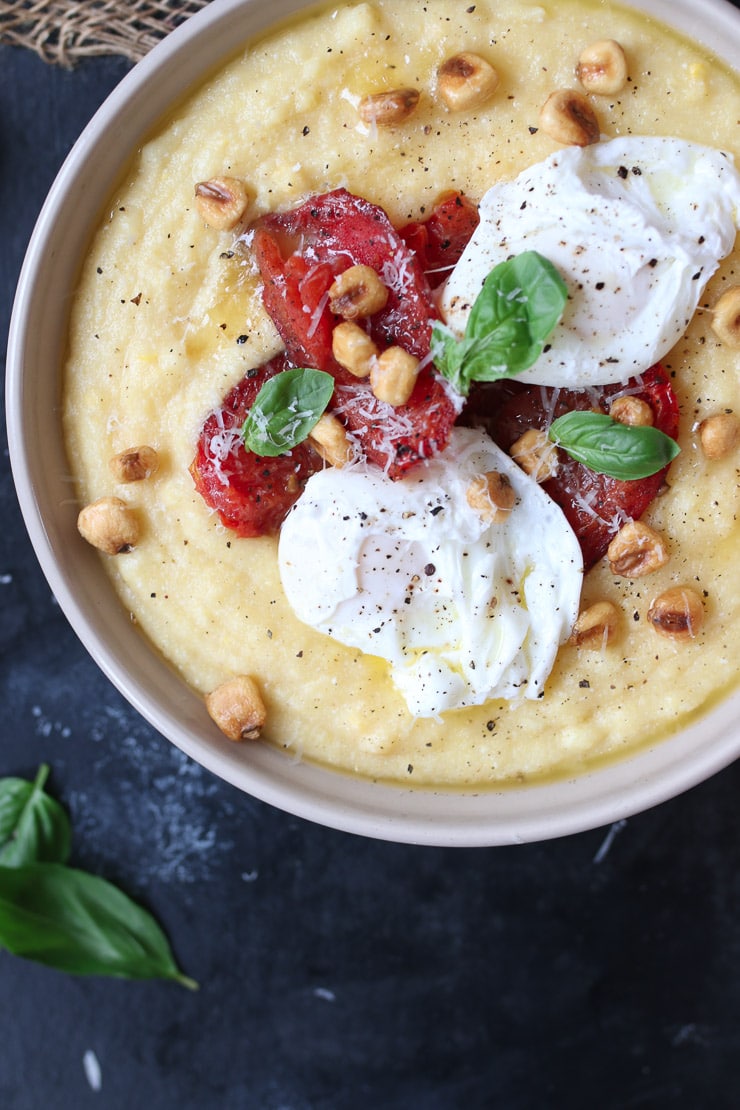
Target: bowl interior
(84,591)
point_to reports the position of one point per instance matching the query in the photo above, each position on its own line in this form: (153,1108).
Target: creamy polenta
(168,317)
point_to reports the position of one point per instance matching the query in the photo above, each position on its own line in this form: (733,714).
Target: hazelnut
(110,525)
(393,376)
(602,68)
(237,708)
(719,435)
(357,292)
(492,496)
(387,109)
(353,348)
(677,613)
(221,201)
(134,464)
(631,410)
(726,317)
(596,626)
(636,550)
(466,81)
(568,118)
(329,437)
(536,455)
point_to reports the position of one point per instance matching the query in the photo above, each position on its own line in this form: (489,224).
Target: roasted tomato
(299,254)
(251,494)
(595,505)
(439,241)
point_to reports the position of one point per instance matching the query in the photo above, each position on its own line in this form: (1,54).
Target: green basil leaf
(449,353)
(81,924)
(521,301)
(623,451)
(286,410)
(33,827)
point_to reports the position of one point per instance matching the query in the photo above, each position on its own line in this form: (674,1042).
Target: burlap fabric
(63,31)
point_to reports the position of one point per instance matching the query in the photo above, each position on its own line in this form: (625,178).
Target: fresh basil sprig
(521,301)
(624,451)
(33,826)
(61,916)
(286,410)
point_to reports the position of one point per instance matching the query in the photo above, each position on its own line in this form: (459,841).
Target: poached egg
(462,609)
(636,226)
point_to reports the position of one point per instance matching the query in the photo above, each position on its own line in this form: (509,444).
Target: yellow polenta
(167,318)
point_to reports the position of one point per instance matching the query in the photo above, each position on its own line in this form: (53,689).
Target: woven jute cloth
(64,31)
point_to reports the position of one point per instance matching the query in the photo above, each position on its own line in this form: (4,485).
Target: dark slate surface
(601,970)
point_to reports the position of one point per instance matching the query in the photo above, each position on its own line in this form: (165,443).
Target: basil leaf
(33,826)
(623,451)
(521,301)
(81,924)
(286,410)
(448,353)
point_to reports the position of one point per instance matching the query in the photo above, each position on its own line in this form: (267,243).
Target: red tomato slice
(299,253)
(396,439)
(251,494)
(439,241)
(595,505)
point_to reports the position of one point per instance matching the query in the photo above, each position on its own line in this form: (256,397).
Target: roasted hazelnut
(677,613)
(329,437)
(393,375)
(492,496)
(631,410)
(568,118)
(357,292)
(726,317)
(221,201)
(536,455)
(719,435)
(134,464)
(388,109)
(595,626)
(636,550)
(237,708)
(465,81)
(602,68)
(353,348)
(110,525)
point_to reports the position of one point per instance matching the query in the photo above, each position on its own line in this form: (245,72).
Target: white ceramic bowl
(466,818)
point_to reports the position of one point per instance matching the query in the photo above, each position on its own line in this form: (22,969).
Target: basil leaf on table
(33,826)
(286,410)
(63,917)
(79,923)
(521,301)
(623,451)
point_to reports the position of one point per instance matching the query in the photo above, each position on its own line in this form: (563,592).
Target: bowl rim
(474,817)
